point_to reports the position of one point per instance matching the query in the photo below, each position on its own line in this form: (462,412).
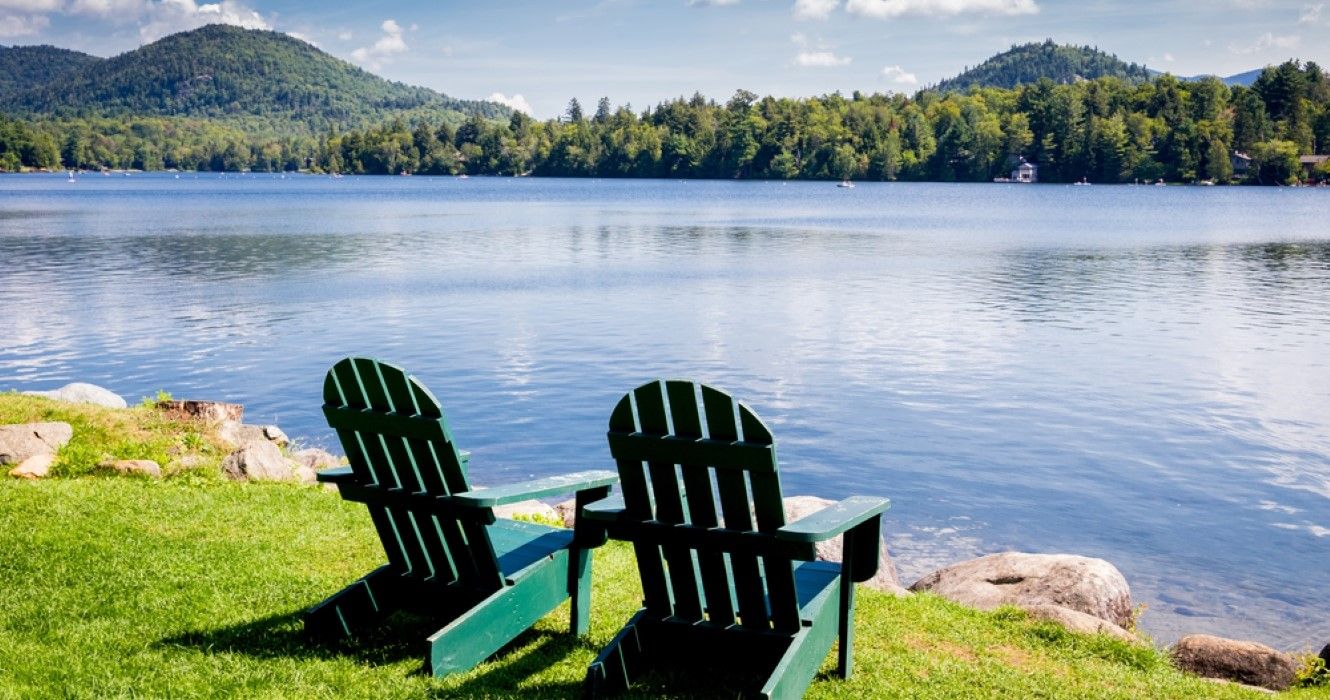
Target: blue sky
(539,54)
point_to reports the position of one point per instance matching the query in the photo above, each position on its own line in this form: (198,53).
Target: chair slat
(701,504)
(747,579)
(669,506)
(637,502)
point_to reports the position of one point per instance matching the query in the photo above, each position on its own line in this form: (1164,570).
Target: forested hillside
(25,67)
(1029,63)
(269,81)
(1105,130)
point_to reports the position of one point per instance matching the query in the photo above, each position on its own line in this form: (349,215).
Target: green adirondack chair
(720,588)
(484,579)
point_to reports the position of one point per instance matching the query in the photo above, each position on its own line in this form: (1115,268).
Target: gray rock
(211,411)
(258,461)
(21,441)
(1077,621)
(34,467)
(238,434)
(542,512)
(316,459)
(1092,586)
(567,512)
(305,475)
(1248,663)
(133,467)
(79,392)
(886,579)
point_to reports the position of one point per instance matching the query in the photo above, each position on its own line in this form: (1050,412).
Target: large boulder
(1248,663)
(132,467)
(238,434)
(886,579)
(316,459)
(34,467)
(258,461)
(79,392)
(19,442)
(1092,586)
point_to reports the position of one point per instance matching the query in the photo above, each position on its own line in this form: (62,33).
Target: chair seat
(811,578)
(518,545)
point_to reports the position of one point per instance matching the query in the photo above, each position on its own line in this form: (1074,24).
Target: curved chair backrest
(397,441)
(683,448)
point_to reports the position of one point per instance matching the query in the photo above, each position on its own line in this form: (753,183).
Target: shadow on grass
(400,638)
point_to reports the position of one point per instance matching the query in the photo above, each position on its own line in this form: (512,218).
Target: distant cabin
(1309,164)
(1025,172)
(1241,162)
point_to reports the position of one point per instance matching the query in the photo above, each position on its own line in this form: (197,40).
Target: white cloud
(345,36)
(22,25)
(171,16)
(814,9)
(1168,57)
(711,3)
(820,59)
(884,9)
(383,50)
(1311,14)
(517,102)
(121,9)
(302,37)
(30,6)
(899,76)
(1267,42)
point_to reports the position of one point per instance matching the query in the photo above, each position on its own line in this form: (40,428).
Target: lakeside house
(1025,172)
(1309,165)
(1241,163)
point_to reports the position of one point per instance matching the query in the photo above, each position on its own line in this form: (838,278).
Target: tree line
(1104,130)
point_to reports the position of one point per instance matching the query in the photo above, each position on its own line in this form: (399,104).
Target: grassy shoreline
(193,586)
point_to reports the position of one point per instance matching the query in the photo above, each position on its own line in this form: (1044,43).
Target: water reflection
(1128,373)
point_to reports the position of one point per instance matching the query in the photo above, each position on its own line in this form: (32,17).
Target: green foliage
(1106,130)
(150,402)
(1312,672)
(1029,63)
(26,67)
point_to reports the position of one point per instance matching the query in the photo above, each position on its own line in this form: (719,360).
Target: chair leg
(616,666)
(355,608)
(579,590)
(845,655)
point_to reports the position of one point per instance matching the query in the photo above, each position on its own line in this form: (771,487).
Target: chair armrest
(336,475)
(834,519)
(549,486)
(605,510)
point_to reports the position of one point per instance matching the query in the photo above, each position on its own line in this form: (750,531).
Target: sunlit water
(1135,373)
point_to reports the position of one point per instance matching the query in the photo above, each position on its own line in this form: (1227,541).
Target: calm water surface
(1136,373)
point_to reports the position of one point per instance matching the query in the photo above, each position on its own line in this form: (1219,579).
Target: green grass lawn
(193,587)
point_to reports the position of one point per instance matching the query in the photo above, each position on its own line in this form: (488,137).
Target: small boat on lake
(846,183)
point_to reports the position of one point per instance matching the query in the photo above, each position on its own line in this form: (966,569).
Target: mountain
(220,72)
(1028,63)
(26,67)
(1244,79)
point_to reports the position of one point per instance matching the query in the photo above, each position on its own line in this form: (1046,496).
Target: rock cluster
(79,392)
(1083,585)
(1247,663)
(19,442)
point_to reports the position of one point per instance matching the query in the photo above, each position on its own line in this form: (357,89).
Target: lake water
(1136,373)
